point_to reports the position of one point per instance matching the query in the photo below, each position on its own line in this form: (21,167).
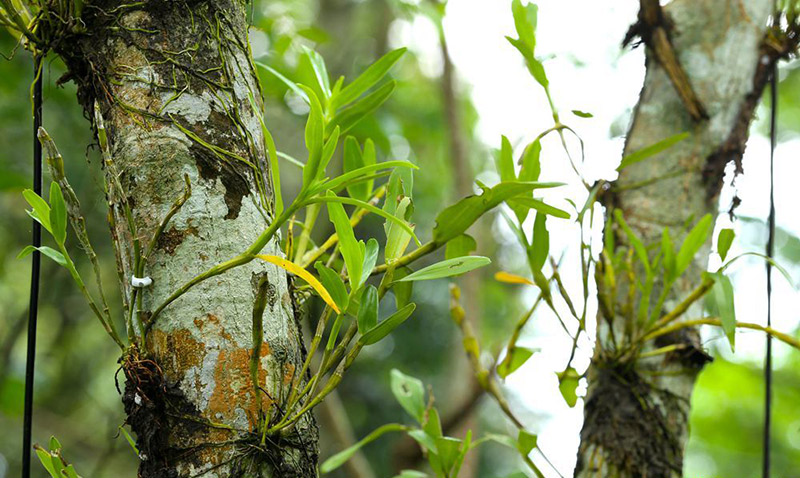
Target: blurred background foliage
(76,398)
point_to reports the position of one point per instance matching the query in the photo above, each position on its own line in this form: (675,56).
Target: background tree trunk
(174,80)
(636,415)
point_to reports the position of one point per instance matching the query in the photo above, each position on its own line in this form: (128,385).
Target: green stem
(412,256)
(679,310)
(312,212)
(785,338)
(293,396)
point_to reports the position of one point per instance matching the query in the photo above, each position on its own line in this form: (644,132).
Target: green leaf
(722,299)
(387,326)
(332,198)
(448,268)
(536,70)
(333,284)
(433,424)
(338,181)
(327,152)
(531,166)
(504,440)
(540,247)
(505,161)
(350,116)
(129,439)
(48,251)
(514,360)
(668,255)
(652,150)
(724,241)
(335,328)
(351,251)
(424,440)
(410,393)
(400,184)
(459,246)
(456,219)
(692,244)
(402,290)
(525,19)
(411,474)
(582,114)
(54,444)
(320,71)
(41,211)
(272,156)
(58,214)
(370,258)
(286,81)
(448,451)
(369,78)
(638,245)
(70,472)
(462,454)
(370,157)
(314,133)
(25,252)
(353,161)
(368,310)
(541,206)
(568,385)
(529,171)
(526,442)
(397,238)
(340,458)
(47,461)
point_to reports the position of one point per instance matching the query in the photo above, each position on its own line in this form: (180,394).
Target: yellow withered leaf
(509,278)
(303,274)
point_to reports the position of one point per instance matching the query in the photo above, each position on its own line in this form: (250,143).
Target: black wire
(770,252)
(33,308)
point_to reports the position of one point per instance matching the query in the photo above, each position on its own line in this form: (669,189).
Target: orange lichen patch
(232,387)
(232,391)
(288,373)
(176,351)
(266,401)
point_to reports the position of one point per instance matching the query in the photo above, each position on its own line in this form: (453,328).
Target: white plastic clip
(139,282)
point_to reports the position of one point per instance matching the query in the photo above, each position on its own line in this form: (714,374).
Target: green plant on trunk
(634,278)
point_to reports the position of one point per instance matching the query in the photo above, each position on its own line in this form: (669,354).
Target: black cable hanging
(770,252)
(33,308)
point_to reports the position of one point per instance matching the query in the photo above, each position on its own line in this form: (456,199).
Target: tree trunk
(174,81)
(636,414)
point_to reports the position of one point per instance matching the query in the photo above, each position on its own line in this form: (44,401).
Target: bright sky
(588,71)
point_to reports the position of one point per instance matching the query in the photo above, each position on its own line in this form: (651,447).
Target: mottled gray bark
(173,80)
(636,414)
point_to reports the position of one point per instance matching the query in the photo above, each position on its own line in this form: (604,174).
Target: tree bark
(636,414)
(174,81)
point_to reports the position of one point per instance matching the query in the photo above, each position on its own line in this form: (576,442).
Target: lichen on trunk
(636,411)
(175,83)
